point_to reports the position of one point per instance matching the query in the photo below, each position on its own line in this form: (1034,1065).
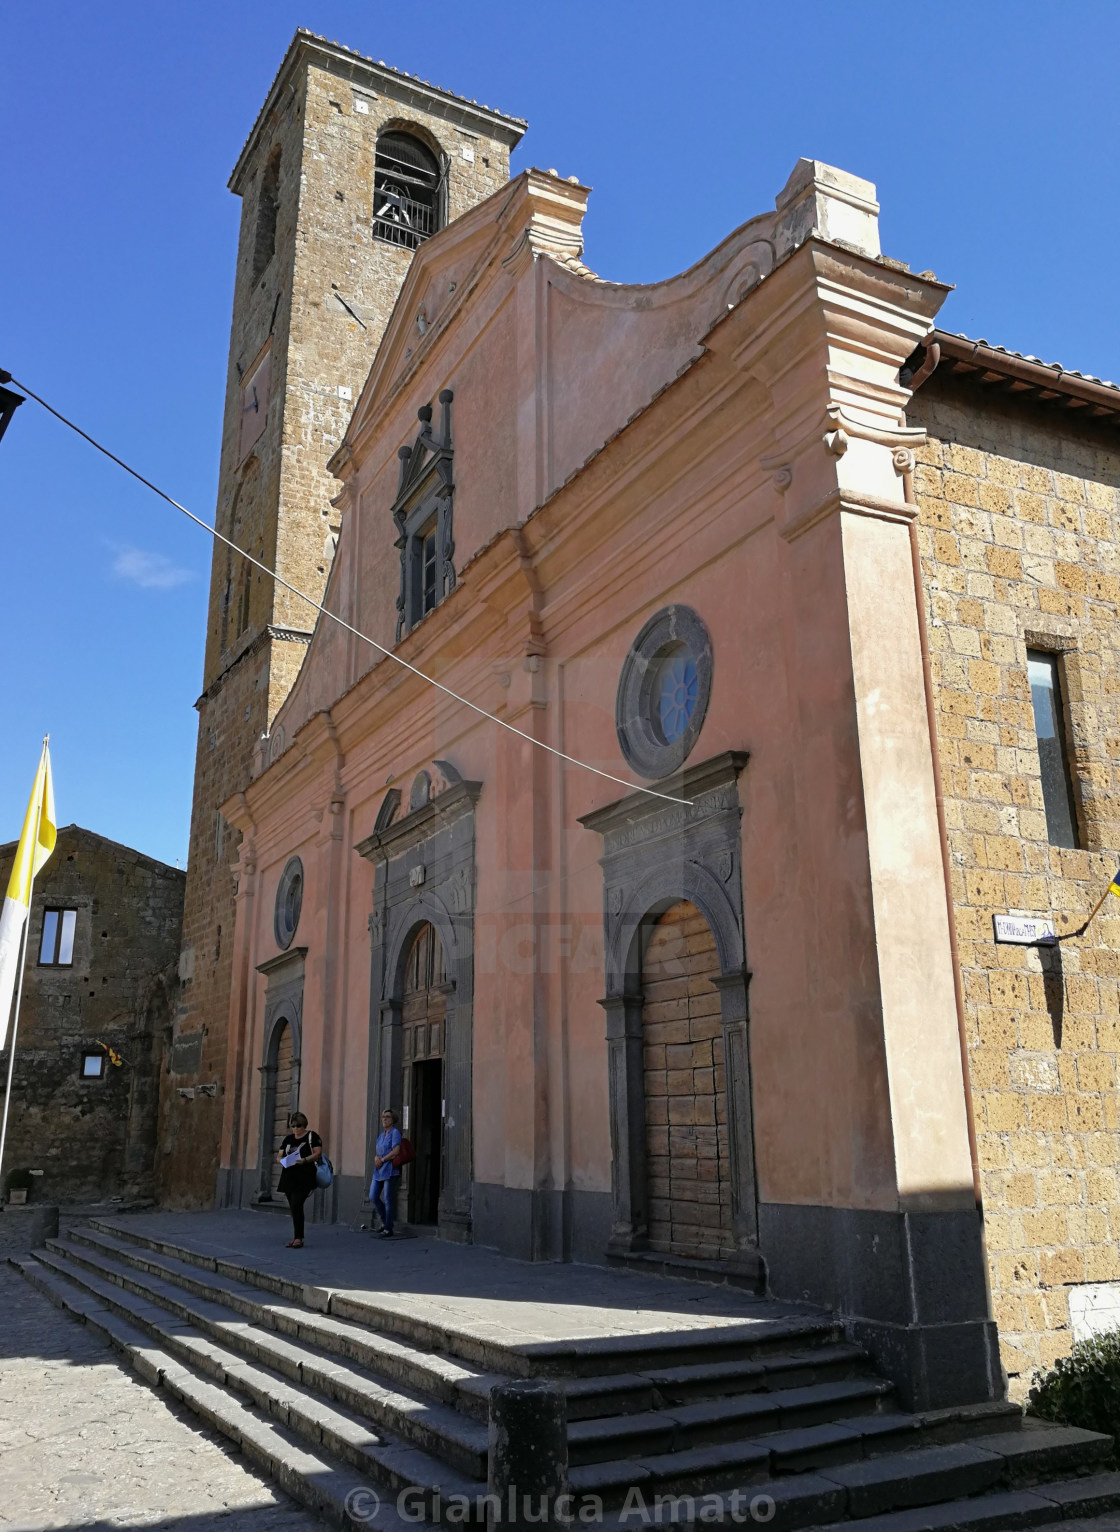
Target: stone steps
(794,1415)
(454,1383)
(560,1359)
(722,1420)
(310,1476)
(428,1425)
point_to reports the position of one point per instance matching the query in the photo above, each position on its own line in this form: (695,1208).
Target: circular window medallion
(289,901)
(663,691)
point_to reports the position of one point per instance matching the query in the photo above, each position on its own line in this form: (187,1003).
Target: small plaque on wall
(1024,930)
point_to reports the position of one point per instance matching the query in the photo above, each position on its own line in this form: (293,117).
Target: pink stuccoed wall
(733,439)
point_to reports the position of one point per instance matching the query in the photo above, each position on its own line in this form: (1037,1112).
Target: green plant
(17,1179)
(1082,1389)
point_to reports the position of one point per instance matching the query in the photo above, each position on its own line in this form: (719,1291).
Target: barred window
(406,191)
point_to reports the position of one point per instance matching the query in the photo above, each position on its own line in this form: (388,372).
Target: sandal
(295,1244)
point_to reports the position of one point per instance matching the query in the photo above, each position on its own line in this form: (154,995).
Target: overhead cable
(333,616)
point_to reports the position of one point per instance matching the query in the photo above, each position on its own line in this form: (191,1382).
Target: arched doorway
(282,1105)
(423,1016)
(688,1152)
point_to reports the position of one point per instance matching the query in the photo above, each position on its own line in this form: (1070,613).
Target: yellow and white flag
(35,845)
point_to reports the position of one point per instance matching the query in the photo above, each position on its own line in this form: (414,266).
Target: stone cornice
(692,783)
(292,958)
(267,634)
(403,834)
(307,47)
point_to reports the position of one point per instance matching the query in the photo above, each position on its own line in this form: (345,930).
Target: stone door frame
(283,1006)
(425,872)
(655,855)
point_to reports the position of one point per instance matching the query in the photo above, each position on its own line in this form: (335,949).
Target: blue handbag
(324,1172)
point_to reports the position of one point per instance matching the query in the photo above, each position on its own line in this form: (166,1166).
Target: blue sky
(989,128)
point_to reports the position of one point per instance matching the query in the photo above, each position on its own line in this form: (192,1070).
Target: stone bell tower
(349,167)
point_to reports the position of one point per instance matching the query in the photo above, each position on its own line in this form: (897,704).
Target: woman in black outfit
(297,1182)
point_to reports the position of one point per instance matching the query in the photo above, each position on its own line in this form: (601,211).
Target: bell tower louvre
(349,168)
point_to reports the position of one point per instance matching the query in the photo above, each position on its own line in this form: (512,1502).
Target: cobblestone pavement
(86,1444)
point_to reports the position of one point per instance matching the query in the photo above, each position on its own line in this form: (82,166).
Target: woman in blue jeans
(386,1172)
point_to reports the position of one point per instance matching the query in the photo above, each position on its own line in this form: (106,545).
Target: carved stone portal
(655,855)
(436,840)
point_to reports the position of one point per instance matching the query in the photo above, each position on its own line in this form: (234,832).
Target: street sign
(1024,930)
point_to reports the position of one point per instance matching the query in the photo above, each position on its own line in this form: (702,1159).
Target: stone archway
(280,1078)
(424,876)
(424,1031)
(282,1103)
(654,857)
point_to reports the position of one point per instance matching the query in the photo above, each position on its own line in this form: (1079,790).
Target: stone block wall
(94,1139)
(1020,544)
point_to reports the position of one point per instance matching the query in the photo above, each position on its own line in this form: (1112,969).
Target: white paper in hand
(292,1159)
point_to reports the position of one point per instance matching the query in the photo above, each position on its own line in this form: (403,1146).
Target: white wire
(539,744)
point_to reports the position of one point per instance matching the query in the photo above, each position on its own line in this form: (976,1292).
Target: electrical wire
(6,377)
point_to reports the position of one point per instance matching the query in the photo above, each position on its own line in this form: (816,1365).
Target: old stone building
(349,166)
(1020,543)
(759,540)
(100,979)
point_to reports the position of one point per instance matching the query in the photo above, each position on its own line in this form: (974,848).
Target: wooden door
(423,1015)
(282,1097)
(687,1147)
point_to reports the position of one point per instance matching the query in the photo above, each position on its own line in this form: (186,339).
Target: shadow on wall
(1054,986)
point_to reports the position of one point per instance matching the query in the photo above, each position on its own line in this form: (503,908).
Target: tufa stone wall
(94,1138)
(1020,544)
(313,311)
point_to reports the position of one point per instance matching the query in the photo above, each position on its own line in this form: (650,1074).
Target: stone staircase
(336,1396)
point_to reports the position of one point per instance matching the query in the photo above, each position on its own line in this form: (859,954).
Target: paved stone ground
(464,1287)
(86,1444)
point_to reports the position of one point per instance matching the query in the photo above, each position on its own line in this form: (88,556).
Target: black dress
(301,1177)
(297,1182)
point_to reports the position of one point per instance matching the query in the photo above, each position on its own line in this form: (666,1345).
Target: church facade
(705,665)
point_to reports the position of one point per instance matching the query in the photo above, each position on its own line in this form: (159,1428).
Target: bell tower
(349,167)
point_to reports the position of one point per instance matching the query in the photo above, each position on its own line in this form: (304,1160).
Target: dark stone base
(910,1287)
(543,1225)
(746,1270)
(27,1227)
(341,1202)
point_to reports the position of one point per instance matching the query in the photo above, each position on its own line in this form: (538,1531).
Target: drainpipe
(920,376)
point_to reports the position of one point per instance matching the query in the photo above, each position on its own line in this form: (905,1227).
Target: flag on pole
(35,845)
(1114,886)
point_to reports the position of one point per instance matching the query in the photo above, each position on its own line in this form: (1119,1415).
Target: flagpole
(19,982)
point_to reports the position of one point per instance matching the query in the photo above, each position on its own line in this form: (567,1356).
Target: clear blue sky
(990,129)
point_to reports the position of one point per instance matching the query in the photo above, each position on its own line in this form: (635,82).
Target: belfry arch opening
(407,191)
(268,202)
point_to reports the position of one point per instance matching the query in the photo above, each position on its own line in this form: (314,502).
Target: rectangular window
(1053,748)
(93,1066)
(57,945)
(428,572)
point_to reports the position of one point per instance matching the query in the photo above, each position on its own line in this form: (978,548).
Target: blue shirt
(386,1143)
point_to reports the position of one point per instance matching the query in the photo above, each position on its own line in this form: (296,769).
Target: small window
(406,188)
(57,945)
(425,590)
(93,1066)
(1053,748)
